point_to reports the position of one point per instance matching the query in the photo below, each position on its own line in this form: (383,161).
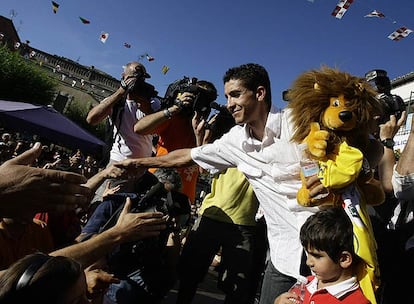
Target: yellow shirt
(231,199)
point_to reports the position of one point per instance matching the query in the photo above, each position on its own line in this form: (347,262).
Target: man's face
(241,102)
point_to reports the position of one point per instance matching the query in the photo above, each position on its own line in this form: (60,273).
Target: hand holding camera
(128,83)
(184,100)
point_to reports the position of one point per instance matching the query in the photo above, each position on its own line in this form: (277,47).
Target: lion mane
(310,93)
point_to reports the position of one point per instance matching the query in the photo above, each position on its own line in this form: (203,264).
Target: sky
(205,38)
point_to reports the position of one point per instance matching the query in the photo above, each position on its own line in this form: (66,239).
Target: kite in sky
(103,37)
(341,8)
(84,21)
(400,33)
(55,6)
(127,45)
(375,13)
(149,58)
(165,69)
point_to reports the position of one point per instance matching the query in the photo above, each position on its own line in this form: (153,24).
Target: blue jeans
(274,284)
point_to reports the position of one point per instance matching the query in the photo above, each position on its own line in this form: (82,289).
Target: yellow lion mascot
(333,112)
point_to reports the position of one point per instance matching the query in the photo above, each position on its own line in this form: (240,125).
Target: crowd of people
(123,233)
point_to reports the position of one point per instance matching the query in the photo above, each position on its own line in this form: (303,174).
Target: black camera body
(144,89)
(222,123)
(392,104)
(146,256)
(203,97)
(154,200)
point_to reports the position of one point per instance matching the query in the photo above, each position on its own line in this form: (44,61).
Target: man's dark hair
(328,230)
(252,75)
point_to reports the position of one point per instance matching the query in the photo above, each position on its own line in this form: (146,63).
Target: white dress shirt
(272,167)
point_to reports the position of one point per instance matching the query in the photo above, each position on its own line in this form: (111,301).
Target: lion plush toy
(332,112)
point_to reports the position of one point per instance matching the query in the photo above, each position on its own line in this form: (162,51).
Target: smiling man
(260,147)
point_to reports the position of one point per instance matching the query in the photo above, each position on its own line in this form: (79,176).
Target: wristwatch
(388,143)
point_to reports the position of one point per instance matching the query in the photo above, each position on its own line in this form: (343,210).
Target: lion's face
(338,116)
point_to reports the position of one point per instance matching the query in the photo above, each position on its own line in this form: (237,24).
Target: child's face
(323,267)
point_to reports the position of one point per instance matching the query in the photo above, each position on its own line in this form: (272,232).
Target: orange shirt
(177,133)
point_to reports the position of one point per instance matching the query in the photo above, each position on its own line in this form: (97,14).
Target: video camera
(222,123)
(154,200)
(392,104)
(203,96)
(144,89)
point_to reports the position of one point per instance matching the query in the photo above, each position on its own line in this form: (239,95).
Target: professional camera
(156,199)
(222,123)
(392,104)
(144,89)
(203,96)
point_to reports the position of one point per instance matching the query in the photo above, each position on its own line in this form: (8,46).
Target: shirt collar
(338,290)
(272,127)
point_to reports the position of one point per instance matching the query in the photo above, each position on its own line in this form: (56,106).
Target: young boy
(327,237)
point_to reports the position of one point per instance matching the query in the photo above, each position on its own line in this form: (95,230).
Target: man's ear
(260,93)
(345,260)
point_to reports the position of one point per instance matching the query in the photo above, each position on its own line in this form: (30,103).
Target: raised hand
(30,189)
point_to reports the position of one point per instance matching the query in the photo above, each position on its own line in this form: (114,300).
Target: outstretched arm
(176,158)
(149,123)
(405,164)
(129,227)
(25,188)
(387,162)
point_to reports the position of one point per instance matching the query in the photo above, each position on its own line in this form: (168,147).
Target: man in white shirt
(260,147)
(125,107)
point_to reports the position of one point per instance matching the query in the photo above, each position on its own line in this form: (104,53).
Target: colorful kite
(400,33)
(55,6)
(165,69)
(149,58)
(103,37)
(341,8)
(375,13)
(127,45)
(84,21)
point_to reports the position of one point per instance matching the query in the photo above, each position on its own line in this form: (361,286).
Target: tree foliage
(22,80)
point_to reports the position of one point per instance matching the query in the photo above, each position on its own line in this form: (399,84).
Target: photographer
(146,269)
(131,102)
(173,122)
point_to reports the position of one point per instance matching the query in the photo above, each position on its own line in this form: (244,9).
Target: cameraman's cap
(143,70)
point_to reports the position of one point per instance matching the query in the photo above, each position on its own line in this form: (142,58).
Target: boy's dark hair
(252,75)
(328,230)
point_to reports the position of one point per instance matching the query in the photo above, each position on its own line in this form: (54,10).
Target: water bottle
(299,288)
(309,166)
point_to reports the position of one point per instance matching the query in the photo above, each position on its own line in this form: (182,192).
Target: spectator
(39,276)
(31,277)
(146,270)
(173,126)
(34,189)
(22,235)
(130,103)
(393,221)
(328,239)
